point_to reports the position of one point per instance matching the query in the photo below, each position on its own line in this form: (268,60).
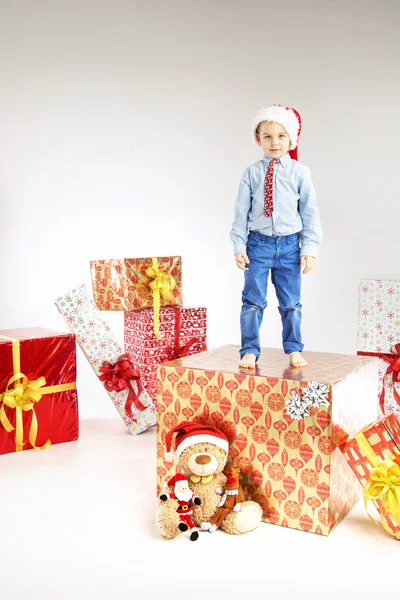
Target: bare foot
(296,360)
(248,361)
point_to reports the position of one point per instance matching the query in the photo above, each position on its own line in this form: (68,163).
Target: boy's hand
(308,263)
(242,260)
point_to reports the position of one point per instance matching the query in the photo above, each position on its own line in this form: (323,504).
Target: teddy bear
(202,453)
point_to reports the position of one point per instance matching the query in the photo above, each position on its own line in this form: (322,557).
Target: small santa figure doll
(184,495)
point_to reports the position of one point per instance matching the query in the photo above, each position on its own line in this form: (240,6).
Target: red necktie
(269,188)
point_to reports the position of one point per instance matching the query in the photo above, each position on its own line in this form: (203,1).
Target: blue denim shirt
(295,205)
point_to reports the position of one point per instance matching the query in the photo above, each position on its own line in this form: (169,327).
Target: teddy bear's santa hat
(188,433)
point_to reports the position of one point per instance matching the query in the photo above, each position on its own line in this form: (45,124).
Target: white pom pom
(169,457)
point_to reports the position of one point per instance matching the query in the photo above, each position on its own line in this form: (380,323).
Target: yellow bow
(384,485)
(22,397)
(162,283)
(203,479)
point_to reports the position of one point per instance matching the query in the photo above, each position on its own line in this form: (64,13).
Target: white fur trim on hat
(278,114)
(201,439)
(169,457)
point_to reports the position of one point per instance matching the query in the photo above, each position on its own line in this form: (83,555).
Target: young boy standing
(276,229)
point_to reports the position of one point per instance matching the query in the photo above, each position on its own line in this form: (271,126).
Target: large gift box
(379,335)
(38,398)
(112,367)
(373,454)
(183,333)
(284,426)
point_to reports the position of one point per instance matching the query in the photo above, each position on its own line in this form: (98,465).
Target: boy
(276,208)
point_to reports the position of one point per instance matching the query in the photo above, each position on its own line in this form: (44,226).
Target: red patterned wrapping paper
(49,354)
(383,436)
(292,468)
(122,283)
(147,351)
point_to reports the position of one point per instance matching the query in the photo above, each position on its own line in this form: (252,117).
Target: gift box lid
(30,333)
(387,428)
(322,366)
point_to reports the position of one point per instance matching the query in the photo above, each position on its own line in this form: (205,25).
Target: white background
(124,130)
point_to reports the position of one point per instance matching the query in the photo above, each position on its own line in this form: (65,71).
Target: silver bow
(315,394)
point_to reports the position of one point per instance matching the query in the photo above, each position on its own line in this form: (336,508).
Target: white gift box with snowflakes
(104,354)
(379,335)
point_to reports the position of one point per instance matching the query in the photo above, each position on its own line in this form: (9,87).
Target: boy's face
(273,139)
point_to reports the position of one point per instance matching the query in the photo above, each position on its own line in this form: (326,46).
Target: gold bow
(162,283)
(22,395)
(384,485)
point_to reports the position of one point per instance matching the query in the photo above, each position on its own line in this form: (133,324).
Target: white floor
(77,521)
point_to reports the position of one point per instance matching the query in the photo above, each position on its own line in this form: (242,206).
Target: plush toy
(202,453)
(184,495)
(230,500)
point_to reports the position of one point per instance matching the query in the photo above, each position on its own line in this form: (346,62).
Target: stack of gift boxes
(293,432)
(156,329)
(156,326)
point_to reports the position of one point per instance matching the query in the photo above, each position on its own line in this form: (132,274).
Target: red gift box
(183,333)
(38,398)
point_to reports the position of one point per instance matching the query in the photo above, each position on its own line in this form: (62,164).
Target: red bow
(393,361)
(174,353)
(118,377)
(179,352)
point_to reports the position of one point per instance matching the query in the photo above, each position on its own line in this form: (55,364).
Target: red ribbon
(118,377)
(179,352)
(393,361)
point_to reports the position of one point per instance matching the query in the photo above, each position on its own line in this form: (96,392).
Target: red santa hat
(188,433)
(289,118)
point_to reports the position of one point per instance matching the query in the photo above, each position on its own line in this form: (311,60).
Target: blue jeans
(281,256)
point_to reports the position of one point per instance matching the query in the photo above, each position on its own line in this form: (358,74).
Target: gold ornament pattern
(122,283)
(293,469)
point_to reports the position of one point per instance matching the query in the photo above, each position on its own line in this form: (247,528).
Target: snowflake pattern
(98,345)
(379,330)
(378,315)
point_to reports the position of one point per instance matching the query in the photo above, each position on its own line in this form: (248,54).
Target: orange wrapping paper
(122,283)
(293,469)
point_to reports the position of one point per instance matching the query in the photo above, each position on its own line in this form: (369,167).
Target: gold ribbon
(383,483)
(22,395)
(162,283)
